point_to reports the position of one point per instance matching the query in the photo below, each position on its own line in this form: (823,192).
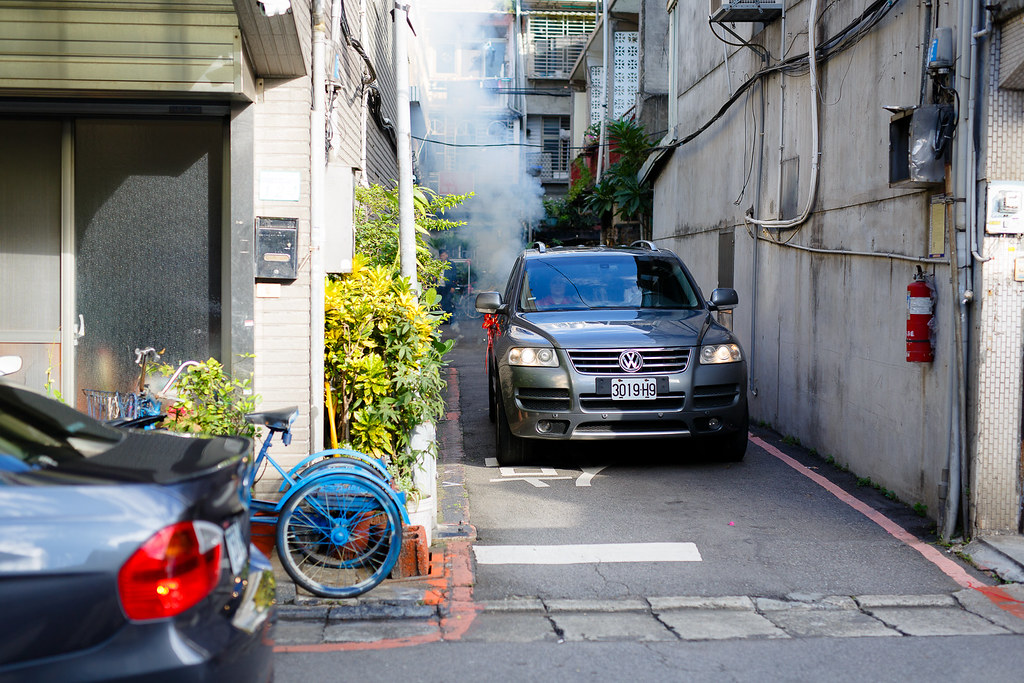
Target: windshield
(605,280)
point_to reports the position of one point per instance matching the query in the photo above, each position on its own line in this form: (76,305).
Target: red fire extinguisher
(920,311)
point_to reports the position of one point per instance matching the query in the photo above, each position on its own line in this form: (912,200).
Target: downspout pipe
(317,183)
(605,57)
(406,219)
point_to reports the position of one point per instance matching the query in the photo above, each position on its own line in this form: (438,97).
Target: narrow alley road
(647,560)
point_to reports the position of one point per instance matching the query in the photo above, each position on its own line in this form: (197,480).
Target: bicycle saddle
(279,420)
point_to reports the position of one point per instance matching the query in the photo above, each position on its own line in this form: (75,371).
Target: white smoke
(470,41)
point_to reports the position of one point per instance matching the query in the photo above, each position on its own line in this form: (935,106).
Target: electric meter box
(276,248)
(745,10)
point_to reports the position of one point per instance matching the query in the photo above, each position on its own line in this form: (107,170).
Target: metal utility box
(276,248)
(745,10)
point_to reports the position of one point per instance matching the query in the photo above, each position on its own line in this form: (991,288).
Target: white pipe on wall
(406,219)
(317,174)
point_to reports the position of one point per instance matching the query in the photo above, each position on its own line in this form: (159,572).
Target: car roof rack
(540,246)
(646,244)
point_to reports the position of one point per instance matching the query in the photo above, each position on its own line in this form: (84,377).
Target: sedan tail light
(172,571)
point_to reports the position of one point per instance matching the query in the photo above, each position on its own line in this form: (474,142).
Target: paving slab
(872,601)
(298,632)
(376,629)
(935,621)
(597,605)
(633,626)
(719,624)
(809,623)
(511,627)
(514,605)
(698,602)
(827,602)
(980,604)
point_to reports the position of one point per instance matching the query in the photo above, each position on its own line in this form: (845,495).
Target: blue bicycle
(339,520)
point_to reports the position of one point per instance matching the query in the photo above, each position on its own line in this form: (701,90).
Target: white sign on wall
(280,186)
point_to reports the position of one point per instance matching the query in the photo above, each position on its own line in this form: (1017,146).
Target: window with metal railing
(552,162)
(556,41)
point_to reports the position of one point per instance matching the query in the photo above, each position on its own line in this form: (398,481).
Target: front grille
(715,395)
(664,402)
(606,361)
(535,398)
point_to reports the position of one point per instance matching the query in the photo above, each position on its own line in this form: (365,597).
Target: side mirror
(488,302)
(9,365)
(724,299)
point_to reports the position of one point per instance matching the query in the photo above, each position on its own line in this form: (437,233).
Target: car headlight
(720,353)
(543,358)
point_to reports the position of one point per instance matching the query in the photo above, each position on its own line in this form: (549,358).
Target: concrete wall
(825,333)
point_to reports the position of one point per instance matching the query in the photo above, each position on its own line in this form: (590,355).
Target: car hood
(617,328)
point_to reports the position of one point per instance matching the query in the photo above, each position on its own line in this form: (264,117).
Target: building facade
(179,175)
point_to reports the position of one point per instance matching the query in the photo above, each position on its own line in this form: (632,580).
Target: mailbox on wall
(276,248)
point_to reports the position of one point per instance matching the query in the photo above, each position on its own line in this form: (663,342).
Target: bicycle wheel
(339,535)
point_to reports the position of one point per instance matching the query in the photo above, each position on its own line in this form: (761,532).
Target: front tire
(512,450)
(729,448)
(492,392)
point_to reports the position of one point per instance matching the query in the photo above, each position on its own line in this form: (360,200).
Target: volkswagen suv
(603,343)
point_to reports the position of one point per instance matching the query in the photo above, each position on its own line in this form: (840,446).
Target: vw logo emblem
(631,361)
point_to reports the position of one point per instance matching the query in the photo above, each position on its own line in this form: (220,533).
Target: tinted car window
(605,281)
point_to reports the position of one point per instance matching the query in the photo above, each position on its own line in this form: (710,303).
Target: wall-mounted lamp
(272,8)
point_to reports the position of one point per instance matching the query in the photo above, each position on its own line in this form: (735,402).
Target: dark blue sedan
(125,555)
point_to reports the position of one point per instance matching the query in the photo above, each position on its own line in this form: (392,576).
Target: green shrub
(209,401)
(383,361)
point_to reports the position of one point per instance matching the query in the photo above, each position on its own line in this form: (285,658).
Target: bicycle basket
(113,405)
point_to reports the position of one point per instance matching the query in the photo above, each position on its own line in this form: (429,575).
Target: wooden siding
(381,163)
(169,46)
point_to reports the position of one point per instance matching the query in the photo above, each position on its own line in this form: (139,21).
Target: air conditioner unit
(745,10)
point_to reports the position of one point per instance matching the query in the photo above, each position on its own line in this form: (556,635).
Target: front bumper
(564,404)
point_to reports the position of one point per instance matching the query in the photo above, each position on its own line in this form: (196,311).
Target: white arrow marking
(588,474)
(587,554)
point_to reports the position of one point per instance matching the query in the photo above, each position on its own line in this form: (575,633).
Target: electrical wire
(815,142)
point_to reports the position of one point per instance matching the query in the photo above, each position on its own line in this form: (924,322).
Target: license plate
(236,548)
(640,389)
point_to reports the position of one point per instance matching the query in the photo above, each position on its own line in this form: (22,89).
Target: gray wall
(825,332)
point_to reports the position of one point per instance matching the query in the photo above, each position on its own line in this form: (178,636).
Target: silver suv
(595,343)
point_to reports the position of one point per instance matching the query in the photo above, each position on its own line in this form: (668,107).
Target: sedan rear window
(605,281)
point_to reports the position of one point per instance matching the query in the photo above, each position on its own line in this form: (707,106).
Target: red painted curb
(999,597)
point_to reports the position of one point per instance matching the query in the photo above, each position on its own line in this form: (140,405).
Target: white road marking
(586,554)
(588,474)
(536,481)
(533,477)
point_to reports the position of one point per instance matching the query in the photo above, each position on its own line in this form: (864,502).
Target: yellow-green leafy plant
(383,356)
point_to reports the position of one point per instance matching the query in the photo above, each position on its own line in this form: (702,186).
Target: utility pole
(406,219)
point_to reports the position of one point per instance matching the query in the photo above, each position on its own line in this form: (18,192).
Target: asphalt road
(777,568)
(761,528)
